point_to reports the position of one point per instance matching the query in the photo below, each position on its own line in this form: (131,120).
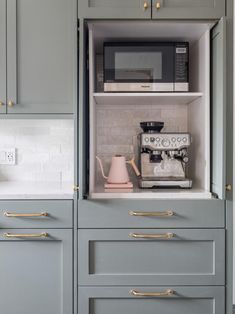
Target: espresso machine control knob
(166,142)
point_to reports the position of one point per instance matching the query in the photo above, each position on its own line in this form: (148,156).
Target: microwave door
(139,68)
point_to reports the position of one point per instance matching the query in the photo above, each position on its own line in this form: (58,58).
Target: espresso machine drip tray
(165,183)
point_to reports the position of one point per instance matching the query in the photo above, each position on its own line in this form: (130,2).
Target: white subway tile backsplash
(45,150)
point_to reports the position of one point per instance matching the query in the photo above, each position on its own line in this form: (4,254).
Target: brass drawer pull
(1,104)
(42,214)
(166,293)
(152,236)
(167,213)
(27,235)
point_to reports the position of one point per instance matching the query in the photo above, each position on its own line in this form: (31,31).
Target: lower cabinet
(151,257)
(139,300)
(36,271)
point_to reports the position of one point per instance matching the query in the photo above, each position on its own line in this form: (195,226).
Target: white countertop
(35,190)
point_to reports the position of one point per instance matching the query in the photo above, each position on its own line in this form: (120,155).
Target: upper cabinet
(40,39)
(128,9)
(188,9)
(155,9)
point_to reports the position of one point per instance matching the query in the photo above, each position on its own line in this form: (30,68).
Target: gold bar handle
(166,293)
(27,235)
(10,103)
(167,213)
(152,236)
(42,214)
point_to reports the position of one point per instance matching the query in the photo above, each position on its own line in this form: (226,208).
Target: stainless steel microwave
(146,67)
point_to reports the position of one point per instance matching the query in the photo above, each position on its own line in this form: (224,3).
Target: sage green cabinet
(116,300)
(36,271)
(41,56)
(2,56)
(155,9)
(188,9)
(151,256)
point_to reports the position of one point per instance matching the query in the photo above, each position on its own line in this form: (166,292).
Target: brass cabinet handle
(1,104)
(146,5)
(166,293)
(158,5)
(228,187)
(27,235)
(42,214)
(152,236)
(10,103)
(167,213)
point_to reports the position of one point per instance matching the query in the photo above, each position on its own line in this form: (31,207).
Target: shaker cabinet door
(3,56)
(36,271)
(108,9)
(188,9)
(184,300)
(218,98)
(151,257)
(40,56)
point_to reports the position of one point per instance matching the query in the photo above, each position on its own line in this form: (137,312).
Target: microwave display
(159,67)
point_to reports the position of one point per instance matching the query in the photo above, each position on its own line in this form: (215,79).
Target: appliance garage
(150,101)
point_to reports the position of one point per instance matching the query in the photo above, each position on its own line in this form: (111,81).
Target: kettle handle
(135,168)
(101,167)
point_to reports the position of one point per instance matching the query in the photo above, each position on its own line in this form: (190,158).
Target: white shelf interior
(141,99)
(115,117)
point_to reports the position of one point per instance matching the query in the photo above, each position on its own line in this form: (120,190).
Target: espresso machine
(163,157)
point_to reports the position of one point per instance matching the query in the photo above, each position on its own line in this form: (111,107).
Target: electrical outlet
(8,156)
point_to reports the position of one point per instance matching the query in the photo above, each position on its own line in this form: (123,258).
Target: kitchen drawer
(116,300)
(36,214)
(175,256)
(151,214)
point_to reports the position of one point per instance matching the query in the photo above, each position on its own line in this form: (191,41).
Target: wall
(44,150)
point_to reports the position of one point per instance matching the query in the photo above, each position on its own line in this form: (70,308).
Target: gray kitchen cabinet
(41,56)
(151,256)
(36,271)
(188,9)
(136,9)
(3,56)
(151,214)
(155,9)
(36,214)
(115,300)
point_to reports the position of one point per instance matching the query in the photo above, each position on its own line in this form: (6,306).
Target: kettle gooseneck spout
(101,167)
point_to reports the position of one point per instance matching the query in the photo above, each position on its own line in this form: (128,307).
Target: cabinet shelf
(137,193)
(141,99)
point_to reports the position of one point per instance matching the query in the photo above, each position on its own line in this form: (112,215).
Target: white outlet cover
(8,156)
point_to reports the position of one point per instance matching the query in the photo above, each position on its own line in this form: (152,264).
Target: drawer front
(151,214)
(116,300)
(36,214)
(150,257)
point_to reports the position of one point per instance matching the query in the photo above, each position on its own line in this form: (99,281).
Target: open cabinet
(114,118)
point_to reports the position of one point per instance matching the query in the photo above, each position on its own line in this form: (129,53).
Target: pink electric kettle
(118,174)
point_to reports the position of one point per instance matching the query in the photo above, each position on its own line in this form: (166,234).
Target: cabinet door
(218,78)
(36,272)
(188,9)
(150,257)
(3,56)
(121,9)
(40,56)
(193,300)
